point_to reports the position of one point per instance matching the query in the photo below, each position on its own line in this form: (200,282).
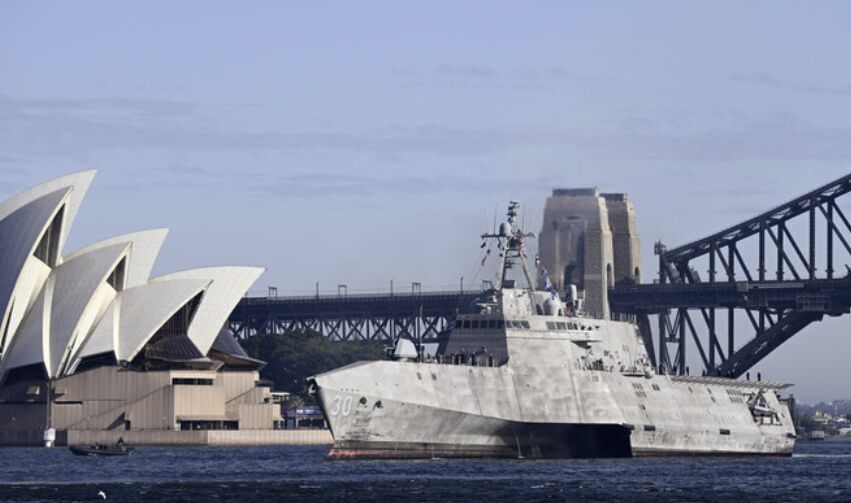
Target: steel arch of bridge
(800,240)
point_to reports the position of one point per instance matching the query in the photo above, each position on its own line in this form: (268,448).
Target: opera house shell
(92,347)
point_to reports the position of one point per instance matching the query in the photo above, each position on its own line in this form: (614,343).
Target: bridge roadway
(822,296)
(776,310)
(383,317)
(430,315)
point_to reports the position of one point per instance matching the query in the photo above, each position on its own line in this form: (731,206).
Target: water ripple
(815,472)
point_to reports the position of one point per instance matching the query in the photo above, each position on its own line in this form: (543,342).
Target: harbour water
(817,472)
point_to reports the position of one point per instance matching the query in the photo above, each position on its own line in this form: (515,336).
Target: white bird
(102,494)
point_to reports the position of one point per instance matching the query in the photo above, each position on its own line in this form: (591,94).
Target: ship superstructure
(529,376)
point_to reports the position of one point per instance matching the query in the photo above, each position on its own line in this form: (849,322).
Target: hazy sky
(359,142)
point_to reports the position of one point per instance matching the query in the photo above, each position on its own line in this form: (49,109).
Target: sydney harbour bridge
(727,300)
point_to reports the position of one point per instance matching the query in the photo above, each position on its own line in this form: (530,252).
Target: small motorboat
(119,449)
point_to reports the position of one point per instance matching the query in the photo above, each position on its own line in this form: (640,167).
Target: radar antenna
(511,243)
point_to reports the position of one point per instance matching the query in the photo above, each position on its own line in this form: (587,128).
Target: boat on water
(119,449)
(529,376)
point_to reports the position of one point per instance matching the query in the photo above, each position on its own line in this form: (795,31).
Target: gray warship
(529,376)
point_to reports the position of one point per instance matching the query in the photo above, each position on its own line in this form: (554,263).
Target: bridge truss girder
(420,316)
(358,328)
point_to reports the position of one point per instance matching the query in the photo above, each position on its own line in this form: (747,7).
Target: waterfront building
(92,347)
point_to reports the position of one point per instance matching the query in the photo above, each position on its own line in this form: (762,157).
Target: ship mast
(511,242)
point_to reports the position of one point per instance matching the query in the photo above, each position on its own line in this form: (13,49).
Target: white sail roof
(27,347)
(58,310)
(20,232)
(49,332)
(73,292)
(103,338)
(142,311)
(78,183)
(229,284)
(145,247)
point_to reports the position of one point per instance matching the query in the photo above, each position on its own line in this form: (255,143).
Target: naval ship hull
(477,437)
(526,374)
(425,410)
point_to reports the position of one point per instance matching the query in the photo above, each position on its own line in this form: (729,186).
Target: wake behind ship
(529,376)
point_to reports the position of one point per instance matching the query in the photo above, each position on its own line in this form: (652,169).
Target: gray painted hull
(426,410)
(456,434)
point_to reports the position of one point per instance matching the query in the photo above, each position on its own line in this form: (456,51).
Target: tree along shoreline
(294,356)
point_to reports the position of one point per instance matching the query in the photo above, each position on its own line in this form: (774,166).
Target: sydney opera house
(92,347)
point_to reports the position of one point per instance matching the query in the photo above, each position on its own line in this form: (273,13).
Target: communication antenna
(510,242)
(495,210)
(486,217)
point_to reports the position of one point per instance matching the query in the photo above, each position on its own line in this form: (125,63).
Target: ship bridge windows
(191,381)
(482,324)
(558,325)
(491,324)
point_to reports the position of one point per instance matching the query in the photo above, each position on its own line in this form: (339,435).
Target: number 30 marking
(341,406)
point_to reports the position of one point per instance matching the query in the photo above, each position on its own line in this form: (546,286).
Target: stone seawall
(28,438)
(34,438)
